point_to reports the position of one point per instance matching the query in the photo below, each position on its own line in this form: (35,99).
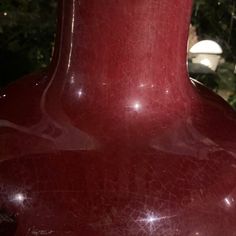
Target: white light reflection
(152,220)
(3,96)
(137,106)
(80,93)
(72,79)
(229,201)
(142,85)
(5,13)
(18,198)
(72,33)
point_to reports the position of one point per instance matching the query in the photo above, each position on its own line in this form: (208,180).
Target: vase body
(113,138)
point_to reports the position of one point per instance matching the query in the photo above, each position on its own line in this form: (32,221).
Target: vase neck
(123,49)
(139,39)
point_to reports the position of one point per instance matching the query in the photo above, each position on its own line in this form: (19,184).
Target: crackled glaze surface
(113,139)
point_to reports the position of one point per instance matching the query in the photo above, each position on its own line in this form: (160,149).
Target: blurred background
(27,32)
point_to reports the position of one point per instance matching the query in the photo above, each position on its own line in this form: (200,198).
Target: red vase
(113,139)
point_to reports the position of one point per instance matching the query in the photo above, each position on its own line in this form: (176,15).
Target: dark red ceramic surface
(114,139)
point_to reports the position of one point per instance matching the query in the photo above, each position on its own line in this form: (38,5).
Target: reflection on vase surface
(113,138)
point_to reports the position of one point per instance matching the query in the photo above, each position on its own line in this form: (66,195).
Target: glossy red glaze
(113,139)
